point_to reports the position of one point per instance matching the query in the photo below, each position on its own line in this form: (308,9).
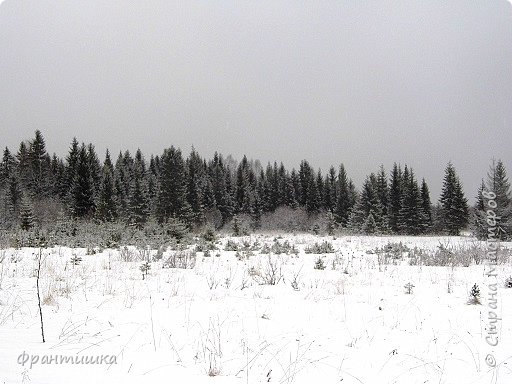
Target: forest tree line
(38,189)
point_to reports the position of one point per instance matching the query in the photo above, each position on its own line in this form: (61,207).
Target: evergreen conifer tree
(95,169)
(106,209)
(426,207)
(7,166)
(497,183)
(383,196)
(330,190)
(26,214)
(39,162)
(357,217)
(395,198)
(370,200)
(245,187)
(13,196)
(138,204)
(82,190)
(343,199)
(411,215)
(369,226)
(454,207)
(172,196)
(23,160)
(195,181)
(71,163)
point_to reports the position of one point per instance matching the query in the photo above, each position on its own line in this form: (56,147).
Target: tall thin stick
(38,294)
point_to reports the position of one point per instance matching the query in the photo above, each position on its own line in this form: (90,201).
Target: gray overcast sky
(358,82)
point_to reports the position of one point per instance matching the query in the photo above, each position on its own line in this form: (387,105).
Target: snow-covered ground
(352,322)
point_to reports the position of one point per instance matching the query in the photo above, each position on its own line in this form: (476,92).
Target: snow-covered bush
(209,234)
(269,272)
(279,248)
(320,248)
(231,246)
(181,259)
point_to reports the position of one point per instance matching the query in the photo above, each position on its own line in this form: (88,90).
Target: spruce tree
(245,187)
(220,180)
(264,190)
(95,169)
(138,205)
(26,214)
(352,195)
(195,180)
(207,193)
(411,215)
(230,192)
(257,208)
(106,209)
(370,200)
(138,199)
(58,177)
(282,182)
(369,226)
(7,167)
(320,193)
(71,163)
(426,207)
(357,217)
(172,195)
(295,195)
(454,207)
(123,175)
(308,189)
(342,208)
(330,223)
(480,218)
(153,186)
(383,196)
(13,196)
(395,198)
(383,190)
(24,171)
(267,189)
(461,204)
(39,163)
(480,203)
(330,190)
(289,192)
(82,190)
(497,183)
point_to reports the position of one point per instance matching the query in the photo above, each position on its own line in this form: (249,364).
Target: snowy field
(215,317)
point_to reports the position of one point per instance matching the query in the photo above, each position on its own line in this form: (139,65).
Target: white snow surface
(351,324)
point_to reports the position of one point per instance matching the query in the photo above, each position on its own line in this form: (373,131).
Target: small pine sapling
(474,295)
(319,264)
(330,223)
(236,227)
(409,288)
(209,234)
(76,260)
(144,268)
